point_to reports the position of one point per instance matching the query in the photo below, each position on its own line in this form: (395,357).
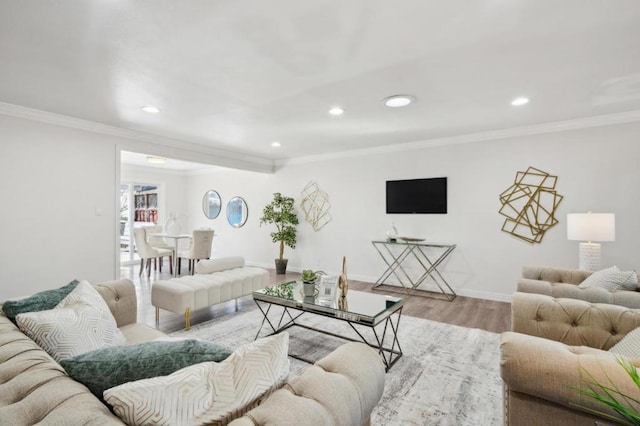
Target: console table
(396,253)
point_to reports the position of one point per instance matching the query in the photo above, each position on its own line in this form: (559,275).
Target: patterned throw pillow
(612,279)
(206,393)
(629,345)
(80,323)
(42,301)
(108,367)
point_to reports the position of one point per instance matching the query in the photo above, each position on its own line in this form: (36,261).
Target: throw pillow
(80,323)
(108,367)
(629,345)
(41,301)
(206,393)
(611,279)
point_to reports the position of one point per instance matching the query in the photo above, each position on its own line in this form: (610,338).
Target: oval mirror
(237,212)
(211,204)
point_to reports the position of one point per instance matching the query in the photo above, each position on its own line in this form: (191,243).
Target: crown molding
(492,135)
(145,142)
(189,151)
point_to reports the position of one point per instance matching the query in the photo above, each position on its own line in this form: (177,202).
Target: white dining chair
(154,241)
(148,253)
(199,248)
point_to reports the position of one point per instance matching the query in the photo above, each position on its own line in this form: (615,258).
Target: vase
(171,226)
(392,233)
(309,289)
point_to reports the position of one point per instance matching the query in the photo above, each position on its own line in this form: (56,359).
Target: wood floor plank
(463,311)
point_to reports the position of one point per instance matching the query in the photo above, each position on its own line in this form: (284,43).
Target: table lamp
(590,227)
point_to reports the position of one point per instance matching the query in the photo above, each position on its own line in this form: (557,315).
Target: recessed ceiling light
(336,111)
(275,144)
(397,101)
(520,101)
(156,160)
(150,109)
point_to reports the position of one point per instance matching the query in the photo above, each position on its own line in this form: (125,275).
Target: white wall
(58,206)
(54,179)
(597,170)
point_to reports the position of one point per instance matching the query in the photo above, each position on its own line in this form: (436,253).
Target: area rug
(448,375)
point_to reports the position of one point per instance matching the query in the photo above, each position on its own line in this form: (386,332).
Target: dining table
(176,239)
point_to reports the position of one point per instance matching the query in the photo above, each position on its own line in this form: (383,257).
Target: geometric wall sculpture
(315,204)
(529,205)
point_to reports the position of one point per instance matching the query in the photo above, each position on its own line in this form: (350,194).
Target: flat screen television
(422,196)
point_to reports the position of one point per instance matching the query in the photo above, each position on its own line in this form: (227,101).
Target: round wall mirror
(237,212)
(211,204)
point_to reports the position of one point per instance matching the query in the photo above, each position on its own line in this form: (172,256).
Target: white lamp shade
(591,226)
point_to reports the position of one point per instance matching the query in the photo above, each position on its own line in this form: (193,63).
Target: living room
(60,156)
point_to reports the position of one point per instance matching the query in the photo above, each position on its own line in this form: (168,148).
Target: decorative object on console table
(590,227)
(343,284)
(280,212)
(530,204)
(392,233)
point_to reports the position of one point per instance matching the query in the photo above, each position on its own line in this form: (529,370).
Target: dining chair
(199,248)
(157,242)
(148,253)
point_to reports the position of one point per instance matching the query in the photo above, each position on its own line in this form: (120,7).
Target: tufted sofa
(553,344)
(341,389)
(34,389)
(560,282)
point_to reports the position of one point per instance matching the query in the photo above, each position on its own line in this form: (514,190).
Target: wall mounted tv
(422,196)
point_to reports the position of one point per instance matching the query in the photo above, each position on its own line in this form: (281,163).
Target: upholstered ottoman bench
(216,281)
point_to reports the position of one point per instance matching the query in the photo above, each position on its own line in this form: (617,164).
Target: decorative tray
(410,239)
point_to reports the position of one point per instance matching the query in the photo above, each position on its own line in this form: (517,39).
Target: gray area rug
(448,375)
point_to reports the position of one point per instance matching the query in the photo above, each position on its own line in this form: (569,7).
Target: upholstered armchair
(560,282)
(199,248)
(148,253)
(553,348)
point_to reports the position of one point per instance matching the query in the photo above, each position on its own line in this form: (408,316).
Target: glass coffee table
(380,313)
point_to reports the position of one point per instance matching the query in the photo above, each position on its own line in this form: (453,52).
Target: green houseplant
(608,395)
(280,212)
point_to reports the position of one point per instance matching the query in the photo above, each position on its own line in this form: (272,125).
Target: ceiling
(237,75)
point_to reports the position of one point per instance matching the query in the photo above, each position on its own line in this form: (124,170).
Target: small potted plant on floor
(280,212)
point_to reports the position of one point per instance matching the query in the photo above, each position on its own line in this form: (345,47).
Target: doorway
(138,208)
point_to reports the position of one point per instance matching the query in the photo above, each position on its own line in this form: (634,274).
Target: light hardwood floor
(464,311)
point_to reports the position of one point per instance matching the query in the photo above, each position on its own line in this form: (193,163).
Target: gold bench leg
(157,317)
(187,319)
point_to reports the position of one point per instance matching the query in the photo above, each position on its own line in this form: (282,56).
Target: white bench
(215,281)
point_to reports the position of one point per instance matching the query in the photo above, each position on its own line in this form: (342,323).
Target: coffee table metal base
(390,355)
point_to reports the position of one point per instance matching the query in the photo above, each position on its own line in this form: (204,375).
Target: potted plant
(309,279)
(280,212)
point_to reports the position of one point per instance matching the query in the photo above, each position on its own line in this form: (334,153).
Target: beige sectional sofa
(553,344)
(561,282)
(216,281)
(341,389)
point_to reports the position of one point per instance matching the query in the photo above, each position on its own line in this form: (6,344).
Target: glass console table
(396,253)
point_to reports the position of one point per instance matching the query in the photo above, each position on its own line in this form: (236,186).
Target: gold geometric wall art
(530,204)
(315,205)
